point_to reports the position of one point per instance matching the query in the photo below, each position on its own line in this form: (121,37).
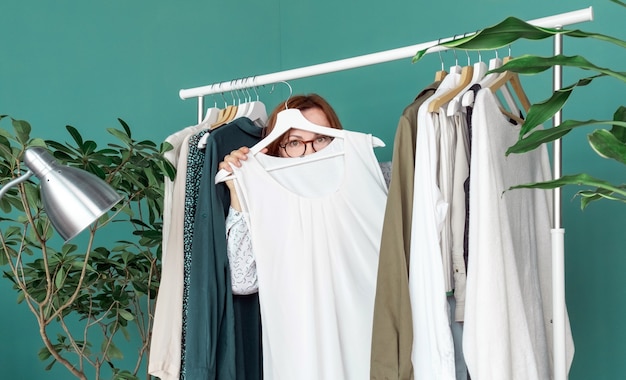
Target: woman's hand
(235,157)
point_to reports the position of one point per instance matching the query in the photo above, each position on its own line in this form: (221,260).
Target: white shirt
(433,346)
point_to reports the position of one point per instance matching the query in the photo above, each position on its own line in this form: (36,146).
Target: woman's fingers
(235,157)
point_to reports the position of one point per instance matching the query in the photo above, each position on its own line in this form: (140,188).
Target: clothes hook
(440,58)
(213,96)
(219,87)
(246,90)
(254,87)
(236,90)
(231,92)
(456,58)
(469,61)
(242,88)
(290,91)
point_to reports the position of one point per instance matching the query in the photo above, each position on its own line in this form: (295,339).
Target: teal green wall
(86,63)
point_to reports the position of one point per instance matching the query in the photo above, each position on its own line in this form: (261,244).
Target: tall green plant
(609,144)
(85,295)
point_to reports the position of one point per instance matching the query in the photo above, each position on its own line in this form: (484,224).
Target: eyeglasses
(297,148)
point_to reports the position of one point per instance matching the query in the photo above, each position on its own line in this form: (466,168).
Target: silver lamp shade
(73,198)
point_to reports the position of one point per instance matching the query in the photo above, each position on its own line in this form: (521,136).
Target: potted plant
(86,296)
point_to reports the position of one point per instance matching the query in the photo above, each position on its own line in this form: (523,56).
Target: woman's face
(315,116)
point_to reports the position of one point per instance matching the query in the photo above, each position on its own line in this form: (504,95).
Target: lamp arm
(14,182)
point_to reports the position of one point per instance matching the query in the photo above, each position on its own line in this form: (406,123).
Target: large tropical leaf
(532,64)
(543,136)
(542,111)
(510,30)
(604,189)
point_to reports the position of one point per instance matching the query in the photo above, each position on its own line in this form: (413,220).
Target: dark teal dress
(222,331)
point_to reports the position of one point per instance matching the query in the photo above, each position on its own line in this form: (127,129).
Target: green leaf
(44,354)
(114,352)
(578,180)
(75,135)
(607,145)
(531,64)
(89,147)
(589,196)
(543,136)
(32,193)
(50,365)
(59,278)
(120,135)
(125,126)
(125,333)
(37,142)
(126,315)
(510,30)
(22,130)
(617,130)
(542,111)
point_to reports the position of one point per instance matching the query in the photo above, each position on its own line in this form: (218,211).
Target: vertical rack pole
(558,256)
(200,109)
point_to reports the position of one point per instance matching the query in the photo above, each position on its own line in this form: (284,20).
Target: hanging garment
(458,212)
(166,340)
(195,164)
(392,332)
(210,344)
(451,175)
(433,345)
(316,233)
(508,311)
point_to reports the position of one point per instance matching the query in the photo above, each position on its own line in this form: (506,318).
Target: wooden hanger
(225,116)
(513,79)
(518,119)
(439,75)
(439,101)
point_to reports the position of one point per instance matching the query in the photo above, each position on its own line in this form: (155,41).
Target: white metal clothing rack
(555,21)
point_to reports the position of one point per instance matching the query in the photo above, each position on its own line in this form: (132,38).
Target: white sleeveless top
(316,230)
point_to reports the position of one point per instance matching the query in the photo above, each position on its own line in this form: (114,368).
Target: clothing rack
(554,21)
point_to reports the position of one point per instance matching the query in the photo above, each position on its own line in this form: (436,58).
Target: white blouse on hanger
(433,346)
(316,232)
